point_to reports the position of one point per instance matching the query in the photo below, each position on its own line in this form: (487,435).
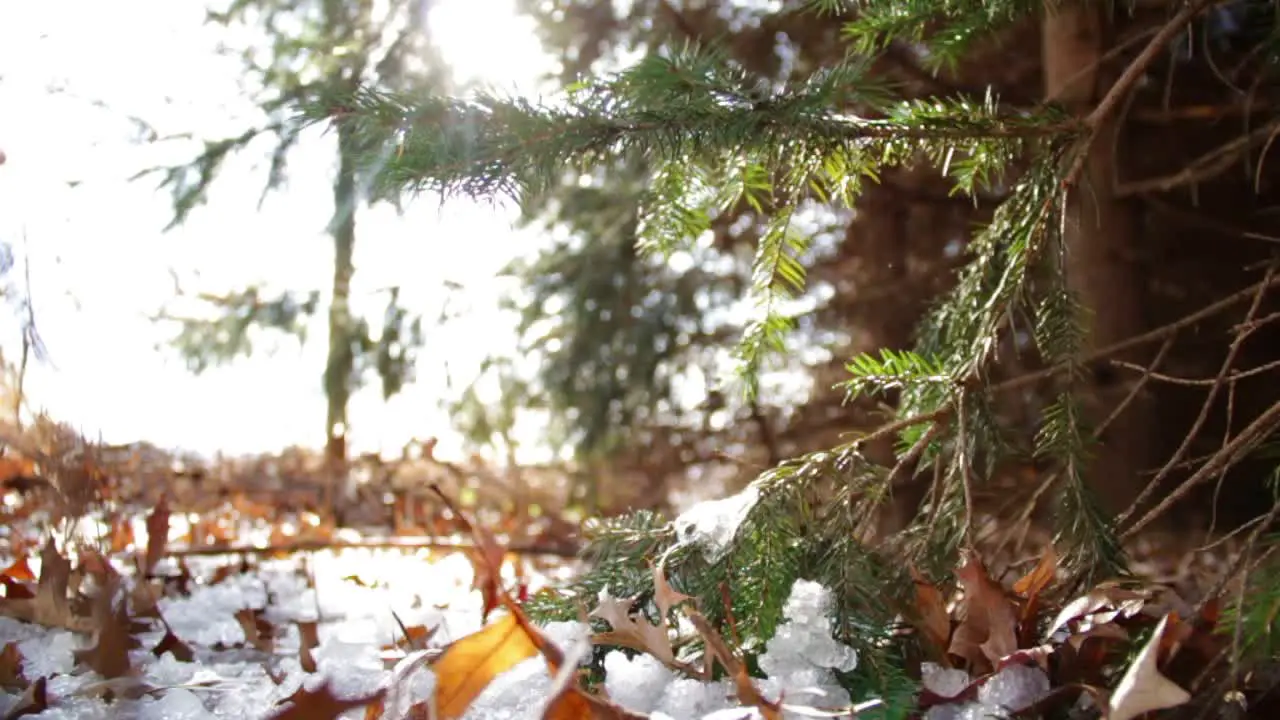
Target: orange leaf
(11,665)
(931,610)
(19,571)
(1040,576)
(468,665)
(1030,586)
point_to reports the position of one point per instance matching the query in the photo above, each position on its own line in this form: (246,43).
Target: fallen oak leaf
(629,632)
(1143,688)
(174,645)
(487,558)
(987,630)
(1099,606)
(321,704)
(157,534)
(109,655)
(665,596)
(11,666)
(34,700)
(49,606)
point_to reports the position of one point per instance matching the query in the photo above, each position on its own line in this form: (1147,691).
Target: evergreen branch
(945,29)
(677,109)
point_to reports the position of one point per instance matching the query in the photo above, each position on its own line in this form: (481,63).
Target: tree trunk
(1100,238)
(341,361)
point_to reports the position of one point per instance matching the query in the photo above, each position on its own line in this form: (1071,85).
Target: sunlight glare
(489,42)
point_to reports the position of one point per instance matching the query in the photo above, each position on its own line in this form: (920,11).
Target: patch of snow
(712,524)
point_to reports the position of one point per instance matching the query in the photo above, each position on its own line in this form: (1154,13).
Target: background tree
(735,169)
(295,51)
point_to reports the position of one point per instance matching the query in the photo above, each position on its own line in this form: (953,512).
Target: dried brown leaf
(258,632)
(157,534)
(988,626)
(627,631)
(308,640)
(11,666)
(171,643)
(33,701)
(109,655)
(321,704)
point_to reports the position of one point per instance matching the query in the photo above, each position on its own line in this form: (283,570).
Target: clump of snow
(943,682)
(636,683)
(801,656)
(1015,687)
(1012,689)
(711,525)
(175,704)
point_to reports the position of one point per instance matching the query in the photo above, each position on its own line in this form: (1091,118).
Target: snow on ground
(360,597)
(357,620)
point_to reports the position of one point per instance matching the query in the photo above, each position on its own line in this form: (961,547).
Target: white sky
(100,263)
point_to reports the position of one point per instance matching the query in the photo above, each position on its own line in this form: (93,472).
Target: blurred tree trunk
(340,367)
(1101,240)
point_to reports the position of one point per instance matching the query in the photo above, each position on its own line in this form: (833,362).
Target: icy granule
(635,683)
(167,670)
(713,524)
(248,694)
(1015,687)
(686,698)
(568,634)
(800,656)
(943,682)
(175,704)
(50,654)
(517,694)
(14,631)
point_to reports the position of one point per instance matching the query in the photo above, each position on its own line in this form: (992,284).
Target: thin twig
(1263,425)
(1223,370)
(1147,373)
(1197,382)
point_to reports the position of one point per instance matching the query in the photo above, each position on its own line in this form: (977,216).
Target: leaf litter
(106,627)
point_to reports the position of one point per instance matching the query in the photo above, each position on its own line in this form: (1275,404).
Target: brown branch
(1128,80)
(1206,167)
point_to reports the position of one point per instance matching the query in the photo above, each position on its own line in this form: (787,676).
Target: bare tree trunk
(1100,237)
(341,361)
